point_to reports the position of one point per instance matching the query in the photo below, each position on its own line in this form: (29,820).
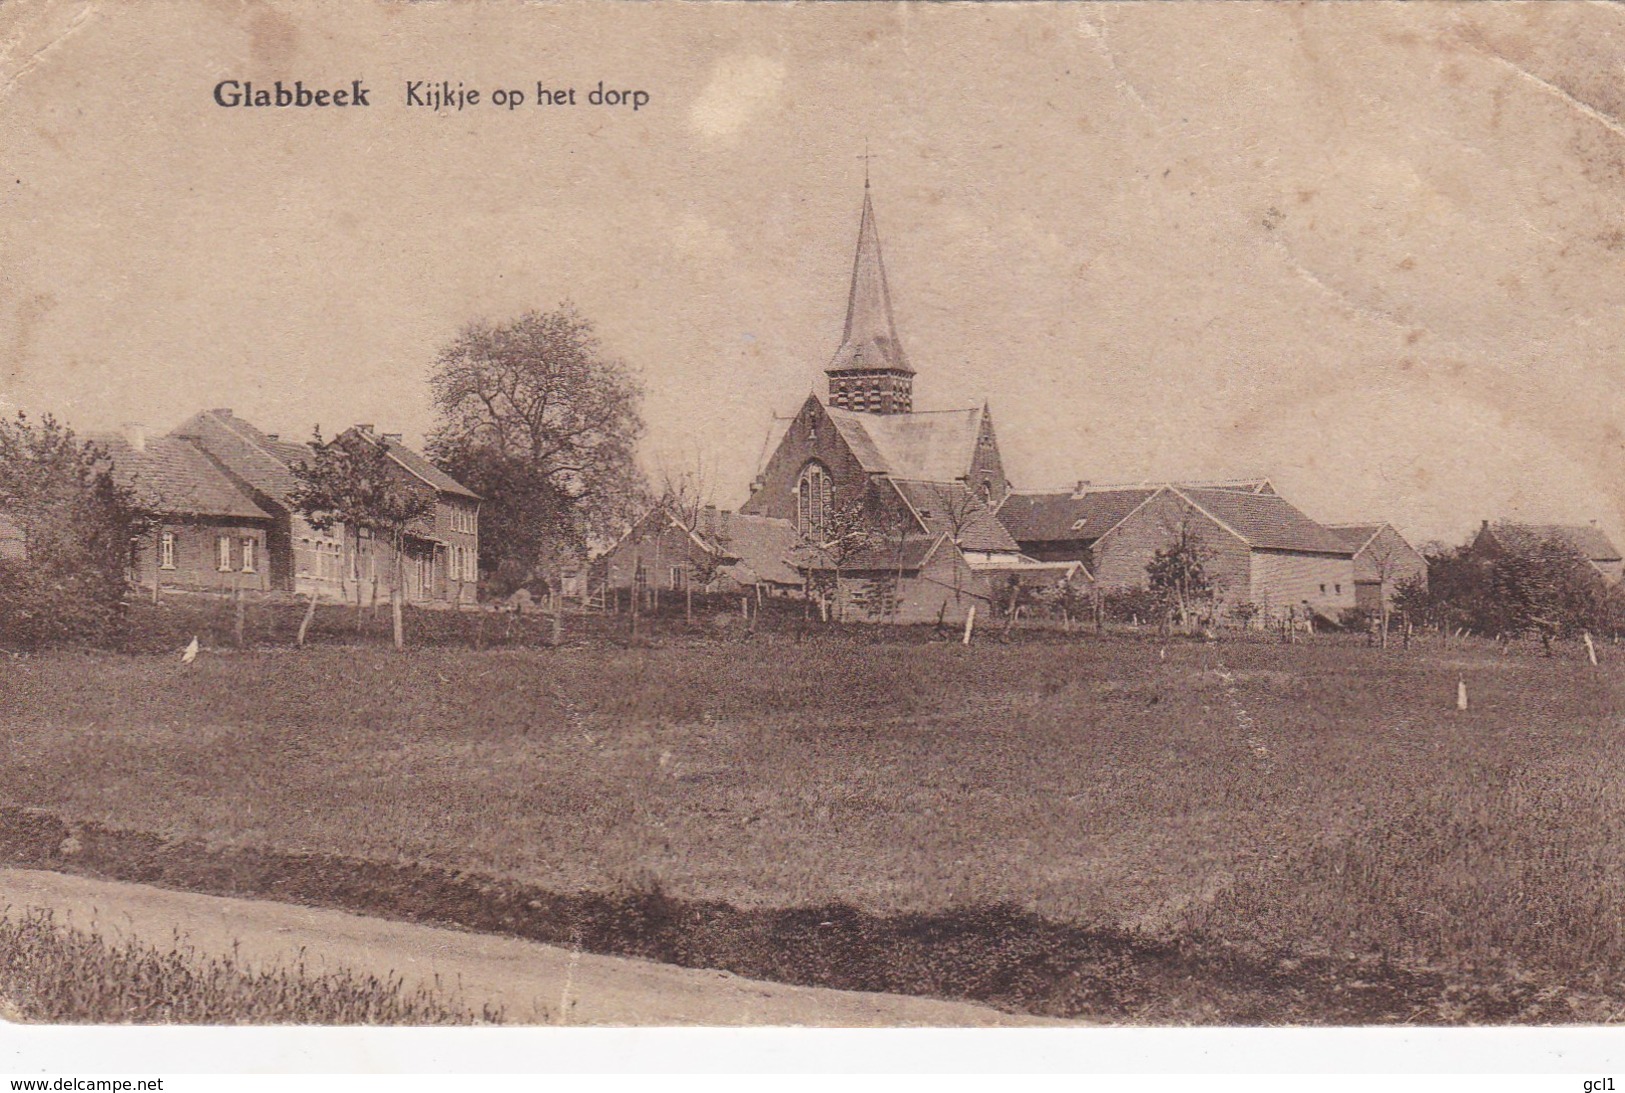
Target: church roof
(933,446)
(870,339)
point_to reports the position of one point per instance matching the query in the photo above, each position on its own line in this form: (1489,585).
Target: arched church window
(815,497)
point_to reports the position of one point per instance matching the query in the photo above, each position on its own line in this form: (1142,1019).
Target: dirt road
(531,983)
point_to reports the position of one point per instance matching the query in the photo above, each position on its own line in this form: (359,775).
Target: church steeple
(870,371)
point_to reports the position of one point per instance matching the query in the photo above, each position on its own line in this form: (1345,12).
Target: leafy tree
(538,420)
(75,526)
(1527,583)
(353,483)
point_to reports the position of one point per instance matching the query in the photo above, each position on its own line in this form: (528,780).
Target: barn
(1383,562)
(1259,549)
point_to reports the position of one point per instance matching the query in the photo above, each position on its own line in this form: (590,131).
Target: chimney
(708,520)
(393,438)
(365,430)
(1083,484)
(1483,525)
(135,435)
(757,483)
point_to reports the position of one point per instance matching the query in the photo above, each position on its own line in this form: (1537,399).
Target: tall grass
(51,972)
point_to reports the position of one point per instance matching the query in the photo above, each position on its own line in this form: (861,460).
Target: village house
(1589,539)
(441,550)
(892,506)
(1383,562)
(221,492)
(302,559)
(712,550)
(1258,548)
(209,534)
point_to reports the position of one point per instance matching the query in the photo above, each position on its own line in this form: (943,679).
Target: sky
(1371,251)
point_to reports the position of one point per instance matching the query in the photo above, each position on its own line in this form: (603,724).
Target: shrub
(75,524)
(1131,604)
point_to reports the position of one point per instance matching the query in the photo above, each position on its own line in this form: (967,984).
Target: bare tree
(1179,571)
(1384,555)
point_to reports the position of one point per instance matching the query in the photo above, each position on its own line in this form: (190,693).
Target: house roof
(1066,515)
(908,553)
(928,446)
(1588,539)
(1265,520)
(869,341)
(173,477)
(762,544)
(1355,536)
(247,452)
(950,508)
(416,464)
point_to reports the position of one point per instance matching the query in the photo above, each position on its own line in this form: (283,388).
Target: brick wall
(196,558)
(811,436)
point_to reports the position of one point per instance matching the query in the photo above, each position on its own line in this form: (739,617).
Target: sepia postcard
(845,515)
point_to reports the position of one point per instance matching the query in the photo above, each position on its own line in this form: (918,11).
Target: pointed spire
(870,341)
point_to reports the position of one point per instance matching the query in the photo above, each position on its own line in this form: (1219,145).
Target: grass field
(1301,801)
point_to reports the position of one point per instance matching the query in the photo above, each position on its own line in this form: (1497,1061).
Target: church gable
(810,438)
(986,475)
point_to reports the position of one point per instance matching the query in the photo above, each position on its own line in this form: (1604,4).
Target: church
(894,505)
(906,515)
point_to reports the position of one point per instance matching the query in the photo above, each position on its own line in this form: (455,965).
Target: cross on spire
(866,157)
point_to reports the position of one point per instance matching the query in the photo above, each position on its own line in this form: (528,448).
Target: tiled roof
(425,470)
(932,446)
(950,508)
(173,477)
(1266,521)
(908,553)
(247,452)
(1064,515)
(1355,536)
(761,543)
(1589,540)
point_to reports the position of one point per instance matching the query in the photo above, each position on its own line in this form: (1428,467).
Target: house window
(248,555)
(1339,589)
(640,579)
(1322,590)
(815,500)
(166,550)
(471,564)
(676,577)
(222,553)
